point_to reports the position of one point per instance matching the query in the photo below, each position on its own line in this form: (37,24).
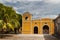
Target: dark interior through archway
(35,30)
(45,29)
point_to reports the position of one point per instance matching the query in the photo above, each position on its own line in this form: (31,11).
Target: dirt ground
(27,37)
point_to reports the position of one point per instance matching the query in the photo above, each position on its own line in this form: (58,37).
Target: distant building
(38,26)
(57,24)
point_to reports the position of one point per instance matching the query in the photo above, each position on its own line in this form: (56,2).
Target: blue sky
(38,8)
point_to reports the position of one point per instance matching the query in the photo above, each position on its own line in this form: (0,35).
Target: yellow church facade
(38,26)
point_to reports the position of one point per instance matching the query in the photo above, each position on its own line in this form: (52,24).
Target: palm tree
(2,26)
(10,19)
(16,25)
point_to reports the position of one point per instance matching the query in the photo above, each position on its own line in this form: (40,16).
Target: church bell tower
(26,23)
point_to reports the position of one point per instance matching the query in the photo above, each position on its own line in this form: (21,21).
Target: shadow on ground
(3,36)
(51,37)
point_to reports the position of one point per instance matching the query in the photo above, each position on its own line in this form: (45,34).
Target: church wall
(29,24)
(35,23)
(49,23)
(26,28)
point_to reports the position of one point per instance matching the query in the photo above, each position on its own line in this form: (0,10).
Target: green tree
(10,18)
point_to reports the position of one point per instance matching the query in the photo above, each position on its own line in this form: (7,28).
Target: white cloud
(49,16)
(48,1)
(29,0)
(42,8)
(52,1)
(12,1)
(1,1)
(8,0)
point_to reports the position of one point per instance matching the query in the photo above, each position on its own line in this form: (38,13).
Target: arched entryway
(35,30)
(45,29)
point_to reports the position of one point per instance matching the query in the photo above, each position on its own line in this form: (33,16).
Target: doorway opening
(35,30)
(45,29)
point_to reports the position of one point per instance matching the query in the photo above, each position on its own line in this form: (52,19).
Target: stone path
(30,37)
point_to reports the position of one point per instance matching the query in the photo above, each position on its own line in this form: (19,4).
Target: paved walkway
(29,37)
